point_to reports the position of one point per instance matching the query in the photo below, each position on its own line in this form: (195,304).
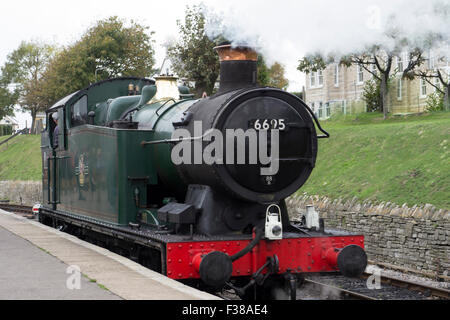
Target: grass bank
(20,158)
(400,160)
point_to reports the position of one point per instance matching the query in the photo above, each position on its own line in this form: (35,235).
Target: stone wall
(416,238)
(21,192)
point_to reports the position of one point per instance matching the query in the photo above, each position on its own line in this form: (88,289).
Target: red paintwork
(298,255)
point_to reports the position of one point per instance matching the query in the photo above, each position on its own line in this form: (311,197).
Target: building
(7,120)
(339,89)
(40,122)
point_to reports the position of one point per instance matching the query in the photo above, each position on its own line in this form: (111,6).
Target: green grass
(400,160)
(20,159)
(101,286)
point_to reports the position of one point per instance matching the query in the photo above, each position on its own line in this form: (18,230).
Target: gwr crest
(82,170)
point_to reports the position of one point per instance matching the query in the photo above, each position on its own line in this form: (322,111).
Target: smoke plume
(287,30)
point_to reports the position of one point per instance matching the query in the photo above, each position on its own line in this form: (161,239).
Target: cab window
(79,112)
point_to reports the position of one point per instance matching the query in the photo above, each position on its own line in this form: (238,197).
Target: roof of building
(9,120)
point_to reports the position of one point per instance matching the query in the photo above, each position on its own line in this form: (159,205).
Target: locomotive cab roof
(103,90)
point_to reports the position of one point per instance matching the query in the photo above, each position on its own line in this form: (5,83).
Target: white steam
(287,30)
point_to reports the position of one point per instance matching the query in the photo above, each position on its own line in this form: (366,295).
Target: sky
(282,30)
(63,22)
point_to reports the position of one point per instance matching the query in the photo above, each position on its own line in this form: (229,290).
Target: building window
(431,60)
(437,84)
(316,79)
(400,64)
(328,109)
(423,88)
(319,78)
(374,71)
(360,74)
(336,75)
(312,79)
(312,106)
(399,89)
(320,110)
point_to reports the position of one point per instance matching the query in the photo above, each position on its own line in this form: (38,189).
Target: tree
(193,56)
(8,98)
(24,68)
(377,60)
(277,77)
(371,95)
(442,85)
(273,76)
(108,49)
(263,72)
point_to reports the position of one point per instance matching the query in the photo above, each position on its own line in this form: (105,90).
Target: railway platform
(39,262)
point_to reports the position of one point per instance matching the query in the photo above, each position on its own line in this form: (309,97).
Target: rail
(15,208)
(14,135)
(342,292)
(413,286)
(346,293)
(391,288)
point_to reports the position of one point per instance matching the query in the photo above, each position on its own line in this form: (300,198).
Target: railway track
(15,208)
(330,286)
(329,291)
(339,287)
(413,286)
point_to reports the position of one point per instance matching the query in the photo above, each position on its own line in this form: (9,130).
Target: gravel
(408,277)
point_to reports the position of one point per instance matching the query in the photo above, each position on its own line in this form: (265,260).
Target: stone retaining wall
(416,238)
(21,192)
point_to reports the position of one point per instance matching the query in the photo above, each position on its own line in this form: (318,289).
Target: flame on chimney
(238,67)
(229,53)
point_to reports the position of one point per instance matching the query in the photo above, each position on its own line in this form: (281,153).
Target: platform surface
(28,272)
(38,262)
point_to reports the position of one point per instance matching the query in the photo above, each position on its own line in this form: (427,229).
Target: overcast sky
(63,22)
(284,30)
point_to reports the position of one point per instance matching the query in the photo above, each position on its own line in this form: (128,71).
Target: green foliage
(7,101)
(26,63)
(273,76)
(193,56)
(371,95)
(435,102)
(109,49)
(400,160)
(312,63)
(263,72)
(24,69)
(375,55)
(277,77)
(5,129)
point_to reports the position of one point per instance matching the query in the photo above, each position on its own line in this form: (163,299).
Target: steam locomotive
(136,168)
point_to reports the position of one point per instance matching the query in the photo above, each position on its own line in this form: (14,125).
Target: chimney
(238,67)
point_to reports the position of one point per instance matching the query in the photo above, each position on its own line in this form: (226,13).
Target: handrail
(14,135)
